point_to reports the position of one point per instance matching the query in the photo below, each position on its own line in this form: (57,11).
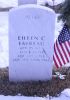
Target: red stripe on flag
(60,52)
(57,56)
(55,62)
(67,48)
(64,52)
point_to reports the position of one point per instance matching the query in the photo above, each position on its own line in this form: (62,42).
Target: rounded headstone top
(32,6)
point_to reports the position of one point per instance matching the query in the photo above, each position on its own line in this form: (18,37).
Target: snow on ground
(65,95)
(4,39)
(8,3)
(20,98)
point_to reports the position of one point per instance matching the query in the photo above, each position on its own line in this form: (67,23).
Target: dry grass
(32,88)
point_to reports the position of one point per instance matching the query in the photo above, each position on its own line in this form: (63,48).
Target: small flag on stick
(62,48)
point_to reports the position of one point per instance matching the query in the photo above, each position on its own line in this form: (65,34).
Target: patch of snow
(8,3)
(66,92)
(65,95)
(21,98)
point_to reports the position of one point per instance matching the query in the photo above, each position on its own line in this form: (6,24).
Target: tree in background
(65,13)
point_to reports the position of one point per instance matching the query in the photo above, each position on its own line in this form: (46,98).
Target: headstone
(21,2)
(31,40)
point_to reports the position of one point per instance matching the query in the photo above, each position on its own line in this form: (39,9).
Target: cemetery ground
(52,87)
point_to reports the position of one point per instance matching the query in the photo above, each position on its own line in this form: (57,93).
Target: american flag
(62,48)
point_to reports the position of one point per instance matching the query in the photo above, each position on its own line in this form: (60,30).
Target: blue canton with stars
(64,34)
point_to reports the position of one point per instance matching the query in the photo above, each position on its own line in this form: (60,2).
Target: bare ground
(34,88)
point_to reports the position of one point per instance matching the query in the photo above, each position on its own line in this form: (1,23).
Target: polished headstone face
(31,40)
(21,2)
